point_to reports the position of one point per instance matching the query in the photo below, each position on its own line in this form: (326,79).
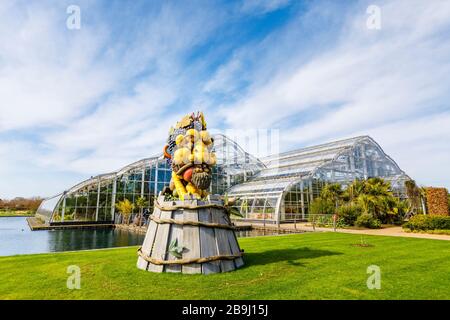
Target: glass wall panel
(257,183)
(47,207)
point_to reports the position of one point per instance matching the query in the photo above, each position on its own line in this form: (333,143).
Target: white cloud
(98,98)
(225,78)
(47,74)
(262,6)
(94,99)
(112,135)
(366,80)
(420,146)
(362,70)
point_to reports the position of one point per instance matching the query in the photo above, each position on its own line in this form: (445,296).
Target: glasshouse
(275,189)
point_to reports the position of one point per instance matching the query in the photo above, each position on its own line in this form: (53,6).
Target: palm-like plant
(382,199)
(399,209)
(332,192)
(367,202)
(373,196)
(140,203)
(415,196)
(354,190)
(378,187)
(125,207)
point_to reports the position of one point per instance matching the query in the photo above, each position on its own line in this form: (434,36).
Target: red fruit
(187,175)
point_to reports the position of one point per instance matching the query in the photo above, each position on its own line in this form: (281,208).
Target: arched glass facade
(284,190)
(275,189)
(94,200)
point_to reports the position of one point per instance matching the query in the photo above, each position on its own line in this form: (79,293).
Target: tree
(377,187)
(354,190)
(367,203)
(140,203)
(19,203)
(125,207)
(321,206)
(332,193)
(399,210)
(415,196)
(368,194)
(375,198)
(370,197)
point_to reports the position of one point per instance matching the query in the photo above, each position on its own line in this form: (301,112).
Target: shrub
(349,213)
(321,221)
(321,206)
(368,221)
(437,231)
(70,217)
(428,222)
(125,207)
(327,221)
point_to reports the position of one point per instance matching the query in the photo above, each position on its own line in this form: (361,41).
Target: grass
(16,213)
(300,266)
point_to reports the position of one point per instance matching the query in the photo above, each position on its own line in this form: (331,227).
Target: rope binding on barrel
(192,223)
(191,206)
(187,261)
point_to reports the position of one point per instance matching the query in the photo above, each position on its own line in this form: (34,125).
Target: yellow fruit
(179,187)
(193,133)
(179,138)
(201,153)
(181,156)
(206,138)
(191,189)
(212,159)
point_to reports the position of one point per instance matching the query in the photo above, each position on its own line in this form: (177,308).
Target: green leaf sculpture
(175,250)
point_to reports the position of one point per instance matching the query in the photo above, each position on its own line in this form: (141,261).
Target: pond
(17,238)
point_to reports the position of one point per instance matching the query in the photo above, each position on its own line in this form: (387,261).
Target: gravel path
(389,231)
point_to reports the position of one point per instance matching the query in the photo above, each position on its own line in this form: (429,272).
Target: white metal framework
(94,199)
(291,180)
(274,189)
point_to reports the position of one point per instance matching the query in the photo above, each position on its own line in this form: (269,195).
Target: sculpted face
(192,159)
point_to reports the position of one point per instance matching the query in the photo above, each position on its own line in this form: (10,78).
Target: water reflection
(17,238)
(79,239)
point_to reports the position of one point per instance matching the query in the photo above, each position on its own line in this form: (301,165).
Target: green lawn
(305,266)
(16,213)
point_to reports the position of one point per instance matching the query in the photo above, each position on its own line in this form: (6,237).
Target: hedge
(437,201)
(428,222)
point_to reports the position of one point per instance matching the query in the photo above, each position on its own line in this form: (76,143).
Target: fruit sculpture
(189,152)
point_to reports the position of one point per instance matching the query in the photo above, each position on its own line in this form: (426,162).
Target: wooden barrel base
(190,236)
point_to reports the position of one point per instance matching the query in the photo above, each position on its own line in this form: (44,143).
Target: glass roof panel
(334,147)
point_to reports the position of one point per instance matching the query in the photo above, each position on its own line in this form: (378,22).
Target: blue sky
(76,103)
